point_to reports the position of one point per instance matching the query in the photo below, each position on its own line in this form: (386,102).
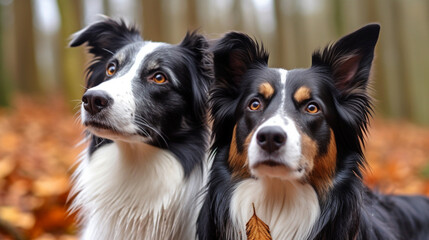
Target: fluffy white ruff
(289,208)
(136,191)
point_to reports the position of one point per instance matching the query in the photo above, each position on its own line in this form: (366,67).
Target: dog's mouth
(97,124)
(277,169)
(277,164)
(106,130)
(269,163)
(100,126)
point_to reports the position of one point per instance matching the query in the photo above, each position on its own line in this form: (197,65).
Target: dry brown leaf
(256,229)
(50,186)
(7,164)
(17,217)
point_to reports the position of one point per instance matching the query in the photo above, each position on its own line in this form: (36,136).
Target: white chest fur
(136,192)
(290,209)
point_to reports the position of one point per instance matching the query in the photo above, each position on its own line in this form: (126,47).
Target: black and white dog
(145,111)
(289,142)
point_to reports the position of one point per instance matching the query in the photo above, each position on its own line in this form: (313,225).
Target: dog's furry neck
(289,208)
(125,190)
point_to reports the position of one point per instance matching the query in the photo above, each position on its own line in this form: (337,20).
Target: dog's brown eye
(255,105)
(159,78)
(312,108)
(111,69)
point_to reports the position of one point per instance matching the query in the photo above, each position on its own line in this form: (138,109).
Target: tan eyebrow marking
(266,90)
(303,93)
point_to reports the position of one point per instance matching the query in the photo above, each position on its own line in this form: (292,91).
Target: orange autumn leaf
(256,229)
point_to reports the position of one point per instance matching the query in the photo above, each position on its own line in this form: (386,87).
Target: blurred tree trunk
(106,8)
(280,40)
(338,17)
(238,15)
(26,72)
(70,60)
(371,14)
(402,70)
(192,15)
(153,22)
(5,84)
(300,34)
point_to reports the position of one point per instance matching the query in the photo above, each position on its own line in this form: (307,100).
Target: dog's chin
(275,169)
(103,130)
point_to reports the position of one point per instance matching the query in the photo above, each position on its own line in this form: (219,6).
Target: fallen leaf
(256,229)
(51,186)
(17,218)
(6,166)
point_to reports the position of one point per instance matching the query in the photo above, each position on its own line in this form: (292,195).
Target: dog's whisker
(144,123)
(107,50)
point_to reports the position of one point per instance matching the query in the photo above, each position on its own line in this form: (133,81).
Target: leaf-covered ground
(38,147)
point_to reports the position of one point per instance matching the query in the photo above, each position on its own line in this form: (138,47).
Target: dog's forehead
(277,82)
(300,84)
(278,79)
(265,82)
(138,51)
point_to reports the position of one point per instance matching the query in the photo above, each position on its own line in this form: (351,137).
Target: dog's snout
(271,138)
(96,100)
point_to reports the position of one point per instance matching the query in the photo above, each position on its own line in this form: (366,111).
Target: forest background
(41,83)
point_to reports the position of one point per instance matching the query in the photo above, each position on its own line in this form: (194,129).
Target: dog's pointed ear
(350,58)
(200,65)
(105,37)
(196,43)
(348,62)
(233,55)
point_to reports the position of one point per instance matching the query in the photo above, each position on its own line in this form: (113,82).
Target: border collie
(290,142)
(145,110)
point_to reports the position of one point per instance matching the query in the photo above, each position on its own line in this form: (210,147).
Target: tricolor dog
(289,143)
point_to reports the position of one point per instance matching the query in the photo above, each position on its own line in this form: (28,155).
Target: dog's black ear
(233,55)
(106,37)
(349,63)
(350,58)
(196,43)
(201,65)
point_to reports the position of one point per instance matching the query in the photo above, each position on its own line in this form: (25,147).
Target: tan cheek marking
(266,90)
(238,160)
(309,151)
(302,94)
(321,177)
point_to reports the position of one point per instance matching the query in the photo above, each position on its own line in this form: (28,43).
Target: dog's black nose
(271,138)
(96,100)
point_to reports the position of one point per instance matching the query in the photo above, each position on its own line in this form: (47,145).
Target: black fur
(339,80)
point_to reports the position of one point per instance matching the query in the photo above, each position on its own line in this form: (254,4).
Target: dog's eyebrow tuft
(266,90)
(303,93)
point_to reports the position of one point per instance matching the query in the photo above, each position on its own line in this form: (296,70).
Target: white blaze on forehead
(283,73)
(146,49)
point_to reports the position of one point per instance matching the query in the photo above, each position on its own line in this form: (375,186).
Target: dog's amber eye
(111,69)
(255,105)
(159,78)
(312,108)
